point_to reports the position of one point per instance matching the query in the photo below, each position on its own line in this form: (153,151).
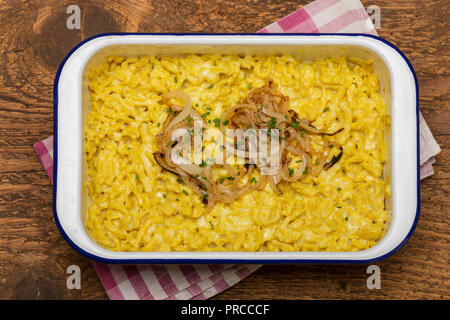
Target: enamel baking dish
(398,86)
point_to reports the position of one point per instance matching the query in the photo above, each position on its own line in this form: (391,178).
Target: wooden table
(34,40)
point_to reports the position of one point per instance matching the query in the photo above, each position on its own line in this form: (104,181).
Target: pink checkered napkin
(204,281)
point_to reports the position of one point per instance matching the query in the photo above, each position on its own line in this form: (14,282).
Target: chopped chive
(346,218)
(159,123)
(291,172)
(137,177)
(253,180)
(179,180)
(286,116)
(249,87)
(283,138)
(298,161)
(339,207)
(203,148)
(305,171)
(205,115)
(217,122)
(212,226)
(185,192)
(205,196)
(326,109)
(272,123)
(295,124)
(261,106)
(210,86)
(164,196)
(303,133)
(203,164)
(317,162)
(225,122)
(208,108)
(339,189)
(169,110)
(169,143)
(175,79)
(221,180)
(196,104)
(177,199)
(330,146)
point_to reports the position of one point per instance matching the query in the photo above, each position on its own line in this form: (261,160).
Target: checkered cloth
(204,281)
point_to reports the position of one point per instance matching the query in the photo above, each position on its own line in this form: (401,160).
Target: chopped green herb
(185,192)
(249,87)
(205,196)
(159,123)
(208,109)
(330,146)
(286,116)
(210,86)
(175,79)
(295,124)
(339,189)
(179,180)
(217,122)
(169,143)
(205,115)
(326,109)
(261,106)
(346,218)
(339,207)
(283,138)
(164,196)
(137,177)
(225,122)
(196,104)
(177,199)
(212,226)
(253,180)
(291,172)
(272,123)
(305,171)
(317,162)
(203,164)
(222,179)
(303,133)
(203,148)
(298,161)
(169,110)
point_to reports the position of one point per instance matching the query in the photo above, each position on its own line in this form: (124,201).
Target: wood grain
(34,40)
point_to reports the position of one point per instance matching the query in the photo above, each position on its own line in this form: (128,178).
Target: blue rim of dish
(218,261)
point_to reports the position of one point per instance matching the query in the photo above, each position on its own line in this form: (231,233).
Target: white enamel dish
(398,87)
